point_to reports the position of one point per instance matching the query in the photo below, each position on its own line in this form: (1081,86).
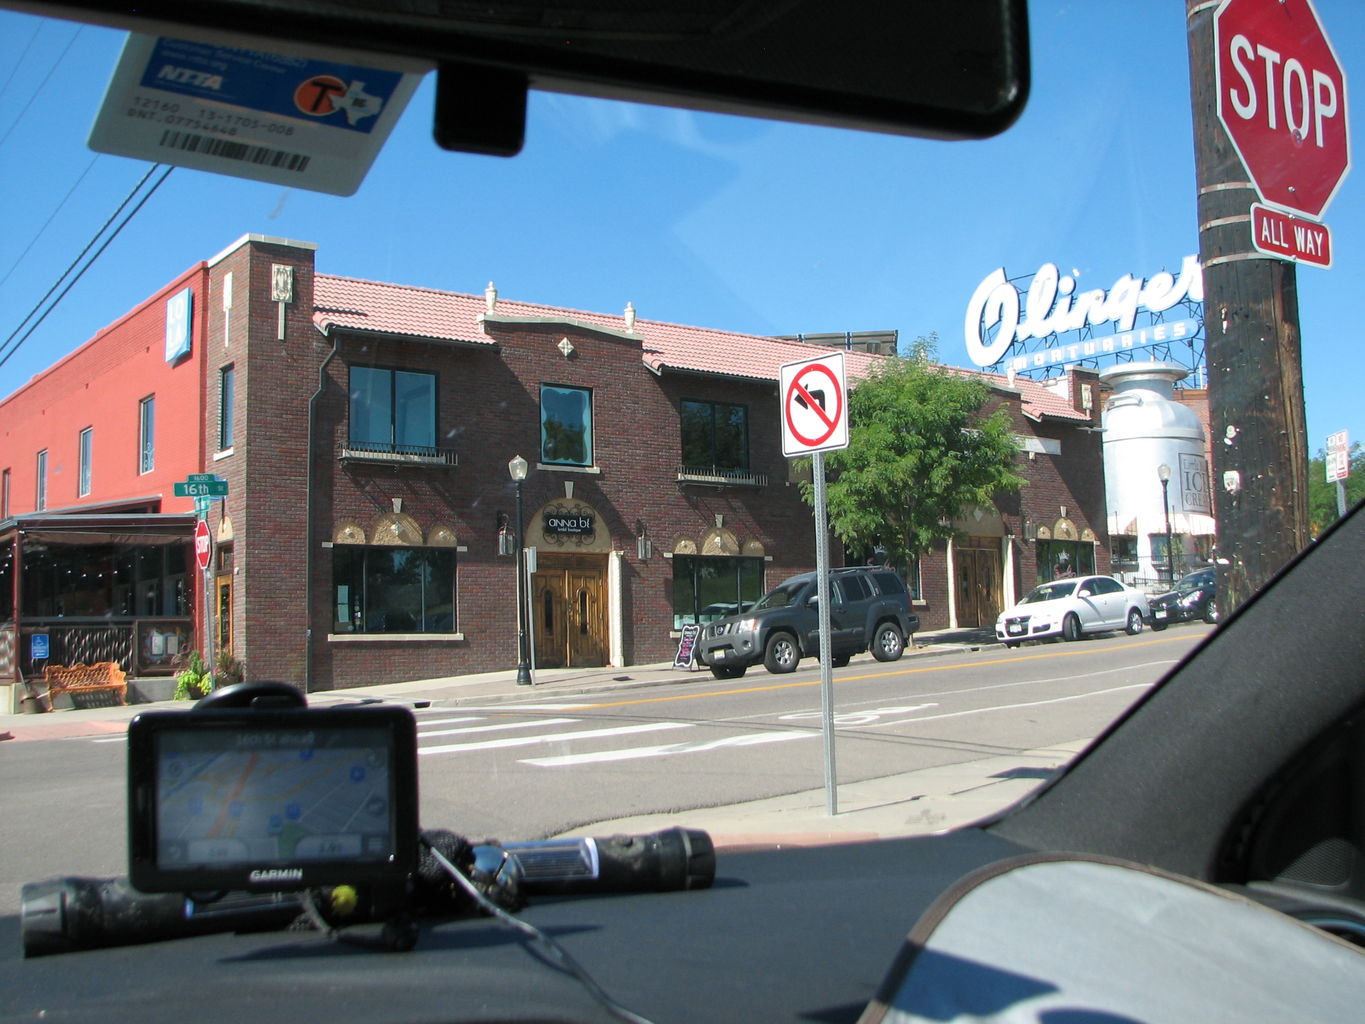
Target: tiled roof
(402,310)
(356,305)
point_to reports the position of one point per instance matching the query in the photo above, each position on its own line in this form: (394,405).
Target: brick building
(365,430)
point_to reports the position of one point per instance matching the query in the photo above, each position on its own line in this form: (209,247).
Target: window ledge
(361,638)
(555,467)
(222,453)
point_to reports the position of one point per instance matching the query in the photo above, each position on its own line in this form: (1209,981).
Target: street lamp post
(517,468)
(1163,472)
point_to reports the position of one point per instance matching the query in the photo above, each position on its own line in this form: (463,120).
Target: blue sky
(724,222)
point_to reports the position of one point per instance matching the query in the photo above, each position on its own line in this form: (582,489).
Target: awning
(1185,524)
(144,529)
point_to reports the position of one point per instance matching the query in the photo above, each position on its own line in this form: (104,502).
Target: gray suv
(869,610)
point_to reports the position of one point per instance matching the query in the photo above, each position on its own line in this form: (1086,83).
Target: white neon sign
(1051,306)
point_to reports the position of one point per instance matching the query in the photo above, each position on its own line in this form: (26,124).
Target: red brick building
(364,431)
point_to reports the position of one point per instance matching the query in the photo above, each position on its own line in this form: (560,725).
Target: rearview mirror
(914,67)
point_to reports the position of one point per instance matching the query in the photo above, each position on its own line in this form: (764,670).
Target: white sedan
(1071,607)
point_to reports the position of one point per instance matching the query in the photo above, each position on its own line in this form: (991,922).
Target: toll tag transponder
(288,120)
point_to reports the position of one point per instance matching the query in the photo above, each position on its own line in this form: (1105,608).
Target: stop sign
(1282,99)
(203,546)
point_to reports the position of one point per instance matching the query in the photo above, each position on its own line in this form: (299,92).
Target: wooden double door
(568,610)
(978,585)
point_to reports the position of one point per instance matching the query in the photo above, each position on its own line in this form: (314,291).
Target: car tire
(1135,623)
(780,654)
(1211,612)
(728,671)
(1011,644)
(1071,627)
(1157,627)
(887,643)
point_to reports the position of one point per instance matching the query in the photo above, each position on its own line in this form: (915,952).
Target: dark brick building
(365,432)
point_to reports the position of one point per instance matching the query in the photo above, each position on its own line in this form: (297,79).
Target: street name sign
(193,488)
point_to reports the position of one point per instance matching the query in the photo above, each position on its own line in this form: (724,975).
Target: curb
(425,693)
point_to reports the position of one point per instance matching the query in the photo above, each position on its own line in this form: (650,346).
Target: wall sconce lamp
(644,547)
(506,542)
(1030,529)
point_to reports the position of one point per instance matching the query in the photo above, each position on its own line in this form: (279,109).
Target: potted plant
(194,680)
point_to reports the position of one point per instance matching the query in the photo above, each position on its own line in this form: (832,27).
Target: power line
(39,234)
(50,72)
(15,340)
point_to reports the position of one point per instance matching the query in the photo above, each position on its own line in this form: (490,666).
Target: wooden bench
(82,679)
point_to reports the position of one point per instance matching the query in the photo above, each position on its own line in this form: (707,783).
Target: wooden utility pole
(1251,344)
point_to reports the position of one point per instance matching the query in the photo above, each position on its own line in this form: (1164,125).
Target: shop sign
(1194,484)
(686,645)
(1052,306)
(578,525)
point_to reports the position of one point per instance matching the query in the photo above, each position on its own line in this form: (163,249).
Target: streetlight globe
(518,467)
(1163,472)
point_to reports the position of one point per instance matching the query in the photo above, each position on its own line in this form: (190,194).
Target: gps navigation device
(271,800)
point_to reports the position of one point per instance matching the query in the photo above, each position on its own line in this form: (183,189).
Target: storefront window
(1059,559)
(1124,552)
(393,590)
(1161,558)
(106,580)
(709,587)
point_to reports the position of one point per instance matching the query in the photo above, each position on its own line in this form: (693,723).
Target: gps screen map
(268,797)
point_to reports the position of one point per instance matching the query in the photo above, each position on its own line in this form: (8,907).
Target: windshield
(1194,581)
(781,597)
(1051,592)
(503,438)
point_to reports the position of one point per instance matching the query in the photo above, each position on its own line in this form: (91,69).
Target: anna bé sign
(1001,317)
(1281,96)
(561,523)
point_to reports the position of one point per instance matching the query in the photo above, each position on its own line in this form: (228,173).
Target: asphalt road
(537,767)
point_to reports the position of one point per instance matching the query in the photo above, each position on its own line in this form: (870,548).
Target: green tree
(921,453)
(1322,496)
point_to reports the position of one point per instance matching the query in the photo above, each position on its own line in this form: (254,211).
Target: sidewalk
(913,803)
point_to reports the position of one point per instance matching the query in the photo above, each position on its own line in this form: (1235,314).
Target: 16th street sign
(1282,98)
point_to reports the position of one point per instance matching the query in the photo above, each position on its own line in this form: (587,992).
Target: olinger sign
(1282,98)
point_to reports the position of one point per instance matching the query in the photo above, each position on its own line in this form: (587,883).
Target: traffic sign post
(1339,465)
(814,421)
(1281,96)
(203,544)
(203,556)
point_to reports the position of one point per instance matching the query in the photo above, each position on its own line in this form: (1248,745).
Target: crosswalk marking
(448,721)
(534,723)
(554,737)
(667,749)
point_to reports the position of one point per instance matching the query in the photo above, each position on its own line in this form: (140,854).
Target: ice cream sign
(1001,316)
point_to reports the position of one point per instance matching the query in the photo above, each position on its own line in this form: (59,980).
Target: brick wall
(100,385)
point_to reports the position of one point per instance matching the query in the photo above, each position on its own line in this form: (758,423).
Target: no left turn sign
(814,405)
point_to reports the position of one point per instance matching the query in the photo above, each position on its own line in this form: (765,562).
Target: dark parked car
(869,610)
(1194,597)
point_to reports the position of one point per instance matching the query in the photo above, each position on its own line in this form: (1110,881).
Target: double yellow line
(1068,652)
